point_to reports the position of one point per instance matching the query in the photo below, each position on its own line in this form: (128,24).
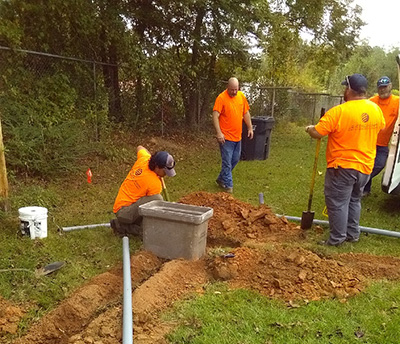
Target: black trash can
(258,147)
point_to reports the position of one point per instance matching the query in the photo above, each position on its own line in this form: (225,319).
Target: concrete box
(174,230)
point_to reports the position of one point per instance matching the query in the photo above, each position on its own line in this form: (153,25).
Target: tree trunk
(193,104)
(208,86)
(114,90)
(111,80)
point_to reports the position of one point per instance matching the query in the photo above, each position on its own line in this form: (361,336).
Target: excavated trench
(264,257)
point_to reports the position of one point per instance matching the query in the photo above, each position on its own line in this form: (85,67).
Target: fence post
(273,101)
(3,174)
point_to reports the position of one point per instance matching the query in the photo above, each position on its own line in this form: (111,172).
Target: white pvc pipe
(127,324)
(362,229)
(324,222)
(68,229)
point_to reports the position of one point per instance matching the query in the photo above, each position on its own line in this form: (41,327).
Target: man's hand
(250,133)
(308,127)
(220,138)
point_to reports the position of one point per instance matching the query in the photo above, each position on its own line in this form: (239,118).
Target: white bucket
(33,221)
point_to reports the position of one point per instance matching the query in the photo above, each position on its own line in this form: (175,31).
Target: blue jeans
(343,191)
(382,153)
(230,155)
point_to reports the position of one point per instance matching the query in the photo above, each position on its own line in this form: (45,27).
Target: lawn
(231,316)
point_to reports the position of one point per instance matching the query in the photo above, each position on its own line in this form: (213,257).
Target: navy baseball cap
(356,82)
(384,81)
(165,161)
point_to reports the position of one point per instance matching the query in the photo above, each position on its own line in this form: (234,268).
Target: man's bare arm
(313,132)
(220,137)
(247,120)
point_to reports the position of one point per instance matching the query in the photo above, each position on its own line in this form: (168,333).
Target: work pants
(129,218)
(382,153)
(343,192)
(230,156)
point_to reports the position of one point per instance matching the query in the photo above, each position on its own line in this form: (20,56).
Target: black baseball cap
(356,82)
(165,161)
(383,81)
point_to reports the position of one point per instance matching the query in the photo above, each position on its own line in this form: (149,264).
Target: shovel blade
(48,269)
(307,219)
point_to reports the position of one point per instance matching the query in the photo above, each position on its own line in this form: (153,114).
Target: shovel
(164,190)
(307,217)
(48,269)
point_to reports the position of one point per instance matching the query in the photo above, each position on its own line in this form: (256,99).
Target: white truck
(391,176)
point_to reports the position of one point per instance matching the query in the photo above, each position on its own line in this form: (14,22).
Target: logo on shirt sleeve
(365,117)
(138,172)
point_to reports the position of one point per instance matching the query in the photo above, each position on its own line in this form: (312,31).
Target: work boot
(228,190)
(135,229)
(352,240)
(327,243)
(222,185)
(116,227)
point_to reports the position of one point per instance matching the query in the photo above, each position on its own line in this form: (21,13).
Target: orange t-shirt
(140,181)
(231,110)
(352,130)
(390,109)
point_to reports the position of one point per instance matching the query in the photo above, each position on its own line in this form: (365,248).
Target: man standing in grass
(230,109)
(389,105)
(141,185)
(352,129)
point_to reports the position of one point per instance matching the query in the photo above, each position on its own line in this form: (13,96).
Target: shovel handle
(317,148)
(314,172)
(165,189)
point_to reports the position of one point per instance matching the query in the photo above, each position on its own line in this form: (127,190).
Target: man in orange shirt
(389,105)
(230,109)
(141,185)
(352,129)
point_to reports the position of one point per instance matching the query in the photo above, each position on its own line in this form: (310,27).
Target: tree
(180,53)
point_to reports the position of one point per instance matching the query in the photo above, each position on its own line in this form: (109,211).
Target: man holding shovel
(142,184)
(352,129)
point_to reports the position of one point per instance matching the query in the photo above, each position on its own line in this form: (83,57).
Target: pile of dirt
(235,222)
(258,260)
(10,316)
(373,267)
(288,274)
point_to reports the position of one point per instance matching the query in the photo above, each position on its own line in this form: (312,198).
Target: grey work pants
(343,192)
(130,214)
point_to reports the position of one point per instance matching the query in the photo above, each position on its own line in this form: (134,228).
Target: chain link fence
(53,108)
(87,85)
(289,104)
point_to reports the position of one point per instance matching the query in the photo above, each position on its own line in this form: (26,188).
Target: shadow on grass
(391,204)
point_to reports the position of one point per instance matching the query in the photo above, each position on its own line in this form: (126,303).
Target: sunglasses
(384,82)
(170,167)
(348,82)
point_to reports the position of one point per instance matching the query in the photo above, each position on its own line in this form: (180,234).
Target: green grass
(232,316)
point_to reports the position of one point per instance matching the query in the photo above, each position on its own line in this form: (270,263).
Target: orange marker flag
(89,176)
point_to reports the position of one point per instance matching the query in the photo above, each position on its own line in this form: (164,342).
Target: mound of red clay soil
(10,315)
(373,267)
(288,274)
(93,314)
(235,222)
